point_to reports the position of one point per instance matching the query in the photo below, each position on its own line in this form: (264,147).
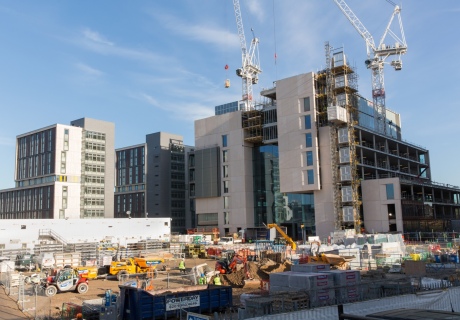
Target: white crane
(249,72)
(380,54)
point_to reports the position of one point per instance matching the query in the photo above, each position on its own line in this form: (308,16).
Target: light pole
(129,224)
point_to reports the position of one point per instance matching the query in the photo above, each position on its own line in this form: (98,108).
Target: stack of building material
(318,285)
(311,267)
(279,282)
(346,283)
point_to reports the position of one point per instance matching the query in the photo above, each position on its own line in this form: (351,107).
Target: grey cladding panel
(207,173)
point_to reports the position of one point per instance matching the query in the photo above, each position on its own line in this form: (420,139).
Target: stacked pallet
(347,285)
(320,286)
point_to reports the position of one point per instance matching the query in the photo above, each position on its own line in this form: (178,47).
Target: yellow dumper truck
(134,265)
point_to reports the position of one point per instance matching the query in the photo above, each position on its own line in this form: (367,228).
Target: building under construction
(310,157)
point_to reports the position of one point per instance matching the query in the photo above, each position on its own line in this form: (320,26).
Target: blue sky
(152,66)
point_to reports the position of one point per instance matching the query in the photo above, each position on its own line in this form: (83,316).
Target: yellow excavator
(283,234)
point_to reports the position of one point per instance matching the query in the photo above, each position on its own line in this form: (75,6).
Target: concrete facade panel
(375,204)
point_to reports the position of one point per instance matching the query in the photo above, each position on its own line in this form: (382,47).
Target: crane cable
(274,37)
(391,2)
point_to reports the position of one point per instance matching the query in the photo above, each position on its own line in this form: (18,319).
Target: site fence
(432,237)
(259,305)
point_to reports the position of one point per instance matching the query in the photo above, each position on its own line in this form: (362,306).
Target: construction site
(198,273)
(342,220)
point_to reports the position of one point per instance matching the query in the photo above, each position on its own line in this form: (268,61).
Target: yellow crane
(283,234)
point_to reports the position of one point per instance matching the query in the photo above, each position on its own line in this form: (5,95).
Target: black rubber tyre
(50,291)
(121,275)
(82,288)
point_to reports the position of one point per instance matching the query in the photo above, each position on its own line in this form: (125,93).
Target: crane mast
(376,61)
(250,69)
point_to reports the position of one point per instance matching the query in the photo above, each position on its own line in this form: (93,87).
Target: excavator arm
(283,234)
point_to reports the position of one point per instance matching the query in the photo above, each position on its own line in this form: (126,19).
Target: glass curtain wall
(272,206)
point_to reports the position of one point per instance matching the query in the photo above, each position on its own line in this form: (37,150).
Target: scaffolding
(341,89)
(252,122)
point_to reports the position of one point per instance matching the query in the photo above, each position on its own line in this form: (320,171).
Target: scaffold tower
(342,115)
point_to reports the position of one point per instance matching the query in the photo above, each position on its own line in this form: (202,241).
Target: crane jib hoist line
(250,68)
(379,54)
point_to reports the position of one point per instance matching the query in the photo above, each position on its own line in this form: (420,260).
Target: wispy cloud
(5,141)
(205,33)
(89,70)
(96,37)
(187,111)
(256,9)
(93,41)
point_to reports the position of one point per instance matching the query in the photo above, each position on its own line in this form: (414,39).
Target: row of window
(95,135)
(36,143)
(308,141)
(94,146)
(93,213)
(94,190)
(93,179)
(26,200)
(94,168)
(93,202)
(94,157)
(34,166)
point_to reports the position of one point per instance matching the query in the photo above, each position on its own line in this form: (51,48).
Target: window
(348,214)
(308,140)
(225,171)
(343,135)
(390,191)
(347,194)
(340,81)
(66,139)
(311,179)
(226,202)
(309,158)
(226,218)
(345,173)
(344,155)
(224,141)
(226,184)
(224,155)
(306,104)
(308,122)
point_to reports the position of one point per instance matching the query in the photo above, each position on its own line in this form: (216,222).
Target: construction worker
(217,281)
(182,266)
(202,279)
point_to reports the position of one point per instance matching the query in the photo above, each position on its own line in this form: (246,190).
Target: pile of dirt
(234,279)
(273,267)
(254,271)
(257,271)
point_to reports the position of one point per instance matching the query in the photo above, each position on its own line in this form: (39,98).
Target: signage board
(196,316)
(182,302)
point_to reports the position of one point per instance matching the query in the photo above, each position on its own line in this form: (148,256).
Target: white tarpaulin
(434,300)
(454,294)
(446,300)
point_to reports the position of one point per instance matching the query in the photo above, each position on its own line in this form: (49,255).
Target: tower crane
(250,69)
(380,53)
